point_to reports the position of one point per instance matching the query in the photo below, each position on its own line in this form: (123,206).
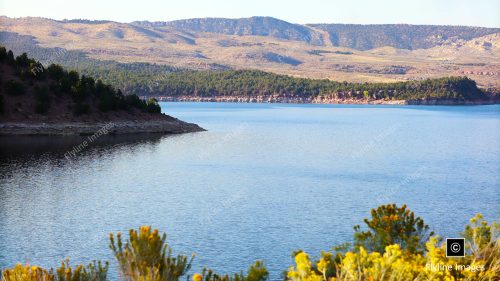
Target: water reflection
(22,146)
(18,153)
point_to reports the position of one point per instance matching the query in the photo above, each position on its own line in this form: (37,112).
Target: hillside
(254,26)
(338,52)
(39,100)
(354,36)
(399,36)
(242,85)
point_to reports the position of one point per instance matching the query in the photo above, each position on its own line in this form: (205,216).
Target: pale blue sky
(450,12)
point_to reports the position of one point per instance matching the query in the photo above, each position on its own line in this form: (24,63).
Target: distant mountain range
(351,52)
(400,36)
(254,26)
(355,36)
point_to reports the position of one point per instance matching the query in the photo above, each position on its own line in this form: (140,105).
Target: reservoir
(263,181)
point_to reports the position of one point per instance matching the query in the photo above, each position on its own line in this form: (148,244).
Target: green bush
(23,60)
(391,225)
(10,58)
(152,106)
(147,256)
(256,272)
(95,271)
(3,53)
(56,72)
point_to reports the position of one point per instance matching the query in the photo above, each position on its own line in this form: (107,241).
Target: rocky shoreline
(174,126)
(324,100)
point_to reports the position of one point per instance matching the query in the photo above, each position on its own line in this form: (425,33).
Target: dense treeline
(144,82)
(394,245)
(252,83)
(84,90)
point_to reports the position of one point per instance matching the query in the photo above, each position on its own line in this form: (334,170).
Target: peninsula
(35,100)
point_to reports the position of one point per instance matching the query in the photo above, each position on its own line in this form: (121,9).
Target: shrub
(152,106)
(146,256)
(27,273)
(92,272)
(73,77)
(397,264)
(37,70)
(483,246)
(482,260)
(3,53)
(134,101)
(10,58)
(23,60)
(256,272)
(14,88)
(55,72)
(390,225)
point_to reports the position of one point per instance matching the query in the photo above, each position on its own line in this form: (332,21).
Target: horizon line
(237,18)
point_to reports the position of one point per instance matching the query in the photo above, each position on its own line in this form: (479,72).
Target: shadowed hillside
(39,100)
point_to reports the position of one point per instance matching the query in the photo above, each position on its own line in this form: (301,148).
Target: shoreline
(300,100)
(87,129)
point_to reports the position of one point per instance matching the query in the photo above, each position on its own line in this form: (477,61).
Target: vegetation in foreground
(394,245)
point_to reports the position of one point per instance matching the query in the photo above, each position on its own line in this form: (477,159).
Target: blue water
(263,181)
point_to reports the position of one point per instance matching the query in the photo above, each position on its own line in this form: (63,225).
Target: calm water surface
(263,181)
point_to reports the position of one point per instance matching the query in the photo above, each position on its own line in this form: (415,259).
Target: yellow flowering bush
(92,272)
(394,264)
(27,273)
(146,256)
(483,243)
(303,269)
(482,261)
